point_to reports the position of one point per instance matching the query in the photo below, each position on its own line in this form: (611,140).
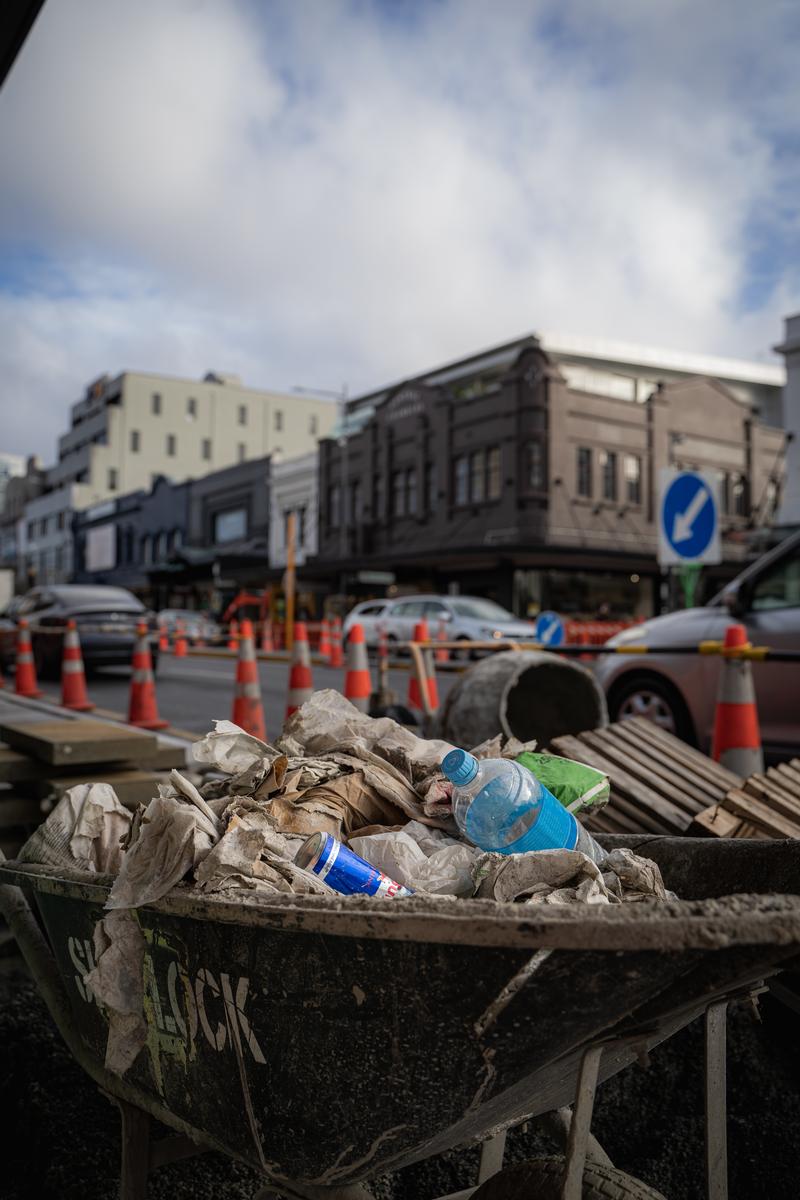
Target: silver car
(679,692)
(369,616)
(463,619)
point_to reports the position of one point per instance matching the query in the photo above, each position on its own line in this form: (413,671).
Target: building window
(477,476)
(633,479)
(135,441)
(230,526)
(112,479)
(461,480)
(242,414)
(430,486)
(494,482)
(278,420)
(62,520)
(411,491)
(59,558)
(334,505)
(584,471)
(300,527)
(356,500)
(172,444)
(147,550)
(191,406)
(205,448)
(735,495)
(534,466)
(242,451)
(156,404)
(378,497)
(31,527)
(608,474)
(313,425)
(399,493)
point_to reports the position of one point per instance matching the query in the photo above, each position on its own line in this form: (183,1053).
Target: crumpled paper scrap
(117,983)
(84,830)
(421,858)
(568,877)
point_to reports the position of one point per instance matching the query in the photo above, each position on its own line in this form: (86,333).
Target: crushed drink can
(343,870)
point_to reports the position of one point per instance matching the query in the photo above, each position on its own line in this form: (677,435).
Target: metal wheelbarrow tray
(325,1041)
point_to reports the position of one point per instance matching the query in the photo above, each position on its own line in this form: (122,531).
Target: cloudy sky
(326,191)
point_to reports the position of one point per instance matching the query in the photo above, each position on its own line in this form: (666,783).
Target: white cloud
(315,191)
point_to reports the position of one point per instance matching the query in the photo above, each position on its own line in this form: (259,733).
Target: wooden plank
(759,814)
(790,771)
(653,770)
(685,753)
(132,787)
(784,781)
(715,822)
(774,798)
(661,803)
(624,783)
(700,791)
(78,742)
(746,830)
(19,810)
(15,766)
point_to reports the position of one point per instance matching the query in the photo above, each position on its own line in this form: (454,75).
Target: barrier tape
(748,651)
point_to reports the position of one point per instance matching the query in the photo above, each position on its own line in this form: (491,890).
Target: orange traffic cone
(267,644)
(248,711)
(300,682)
(25,675)
(336,659)
(180,649)
(142,708)
(737,739)
(357,681)
(73,678)
(233,636)
(325,640)
(442,656)
(163,639)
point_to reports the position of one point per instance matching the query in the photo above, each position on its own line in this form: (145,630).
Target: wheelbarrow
(329,1040)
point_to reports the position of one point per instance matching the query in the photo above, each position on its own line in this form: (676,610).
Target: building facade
(11,466)
(180,545)
(789,514)
(131,429)
(293,489)
(495,476)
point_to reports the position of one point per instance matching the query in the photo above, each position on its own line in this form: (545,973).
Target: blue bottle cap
(460,767)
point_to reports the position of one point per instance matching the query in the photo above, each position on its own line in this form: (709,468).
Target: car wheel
(656,699)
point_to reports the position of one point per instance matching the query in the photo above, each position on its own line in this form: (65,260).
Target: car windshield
(481,610)
(94,597)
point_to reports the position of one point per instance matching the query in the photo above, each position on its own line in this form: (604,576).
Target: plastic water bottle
(502,807)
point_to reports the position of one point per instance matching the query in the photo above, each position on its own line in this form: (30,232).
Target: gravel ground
(60,1136)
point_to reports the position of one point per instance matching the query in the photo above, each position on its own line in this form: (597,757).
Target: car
(197,626)
(679,692)
(106,618)
(463,619)
(369,615)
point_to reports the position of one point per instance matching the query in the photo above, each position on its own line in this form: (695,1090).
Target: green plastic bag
(575,785)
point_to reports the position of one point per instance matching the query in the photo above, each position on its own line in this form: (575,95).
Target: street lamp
(341,398)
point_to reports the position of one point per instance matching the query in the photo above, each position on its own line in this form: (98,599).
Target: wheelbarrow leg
(135,1129)
(581,1124)
(716,1106)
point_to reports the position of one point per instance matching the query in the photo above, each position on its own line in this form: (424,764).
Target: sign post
(549,629)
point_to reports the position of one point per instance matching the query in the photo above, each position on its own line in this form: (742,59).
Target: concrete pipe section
(525,694)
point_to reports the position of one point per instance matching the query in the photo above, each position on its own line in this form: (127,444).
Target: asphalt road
(194,691)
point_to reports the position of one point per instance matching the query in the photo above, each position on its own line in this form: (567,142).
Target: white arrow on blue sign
(549,629)
(688,526)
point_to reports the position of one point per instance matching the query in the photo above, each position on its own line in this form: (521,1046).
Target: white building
(789,512)
(10,465)
(45,542)
(128,430)
(293,489)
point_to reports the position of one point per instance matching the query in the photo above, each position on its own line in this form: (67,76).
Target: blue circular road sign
(549,629)
(689,515)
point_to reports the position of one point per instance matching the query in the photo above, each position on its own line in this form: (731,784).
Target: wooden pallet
(765,805)
(658,783)
(42,759)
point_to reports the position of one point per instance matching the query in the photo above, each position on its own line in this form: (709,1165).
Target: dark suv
(106,618)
